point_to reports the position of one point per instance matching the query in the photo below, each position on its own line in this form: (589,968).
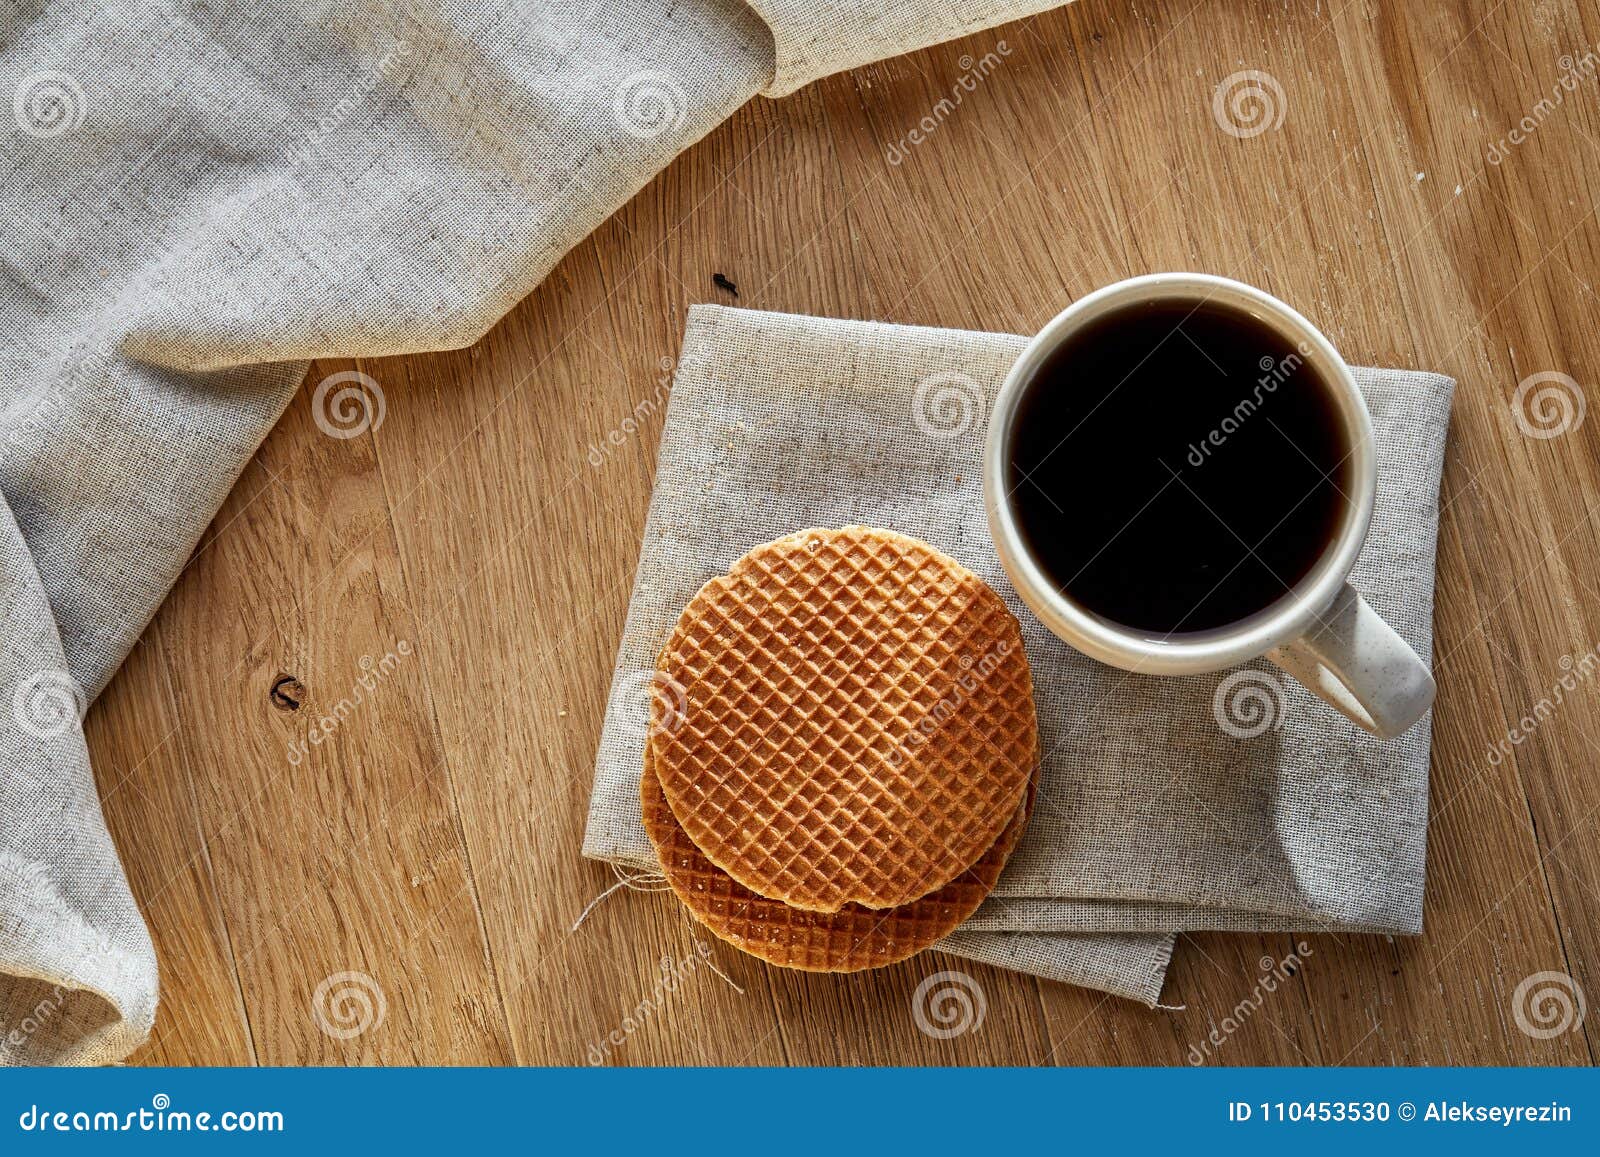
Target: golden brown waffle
(851,719)
(848,940)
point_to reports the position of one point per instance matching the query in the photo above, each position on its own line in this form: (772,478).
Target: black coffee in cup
(1177,467)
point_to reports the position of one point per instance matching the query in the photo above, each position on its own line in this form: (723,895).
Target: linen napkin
(1234,801)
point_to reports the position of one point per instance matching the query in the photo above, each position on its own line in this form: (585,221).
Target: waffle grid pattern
(858,721)
(848,940)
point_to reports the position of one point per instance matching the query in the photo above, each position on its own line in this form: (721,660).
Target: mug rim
(1289,617)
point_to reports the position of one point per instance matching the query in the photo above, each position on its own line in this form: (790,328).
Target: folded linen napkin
(1235,801)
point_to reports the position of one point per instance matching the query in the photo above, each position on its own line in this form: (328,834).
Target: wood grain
(427,850)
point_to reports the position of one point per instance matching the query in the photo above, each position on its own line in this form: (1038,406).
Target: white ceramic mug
(1321,631)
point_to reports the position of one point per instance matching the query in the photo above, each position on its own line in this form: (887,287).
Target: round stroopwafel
(850,720)
(848,940)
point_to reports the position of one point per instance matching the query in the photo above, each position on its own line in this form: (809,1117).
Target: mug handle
(1360,666)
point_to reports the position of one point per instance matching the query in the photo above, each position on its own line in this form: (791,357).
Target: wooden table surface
(425,856)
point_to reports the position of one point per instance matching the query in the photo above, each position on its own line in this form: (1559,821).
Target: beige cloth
(813,40)
(1157,811)
(197,199)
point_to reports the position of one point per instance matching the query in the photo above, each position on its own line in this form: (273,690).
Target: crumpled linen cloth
(199,198)
(1235,801)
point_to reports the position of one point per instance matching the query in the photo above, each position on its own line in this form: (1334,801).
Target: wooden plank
(332,833)
(147,791)
(1516,531)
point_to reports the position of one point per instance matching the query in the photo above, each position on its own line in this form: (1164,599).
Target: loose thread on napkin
(728,979)
(632,879)
(638,880)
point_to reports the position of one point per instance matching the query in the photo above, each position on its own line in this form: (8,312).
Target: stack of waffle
(842,749)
